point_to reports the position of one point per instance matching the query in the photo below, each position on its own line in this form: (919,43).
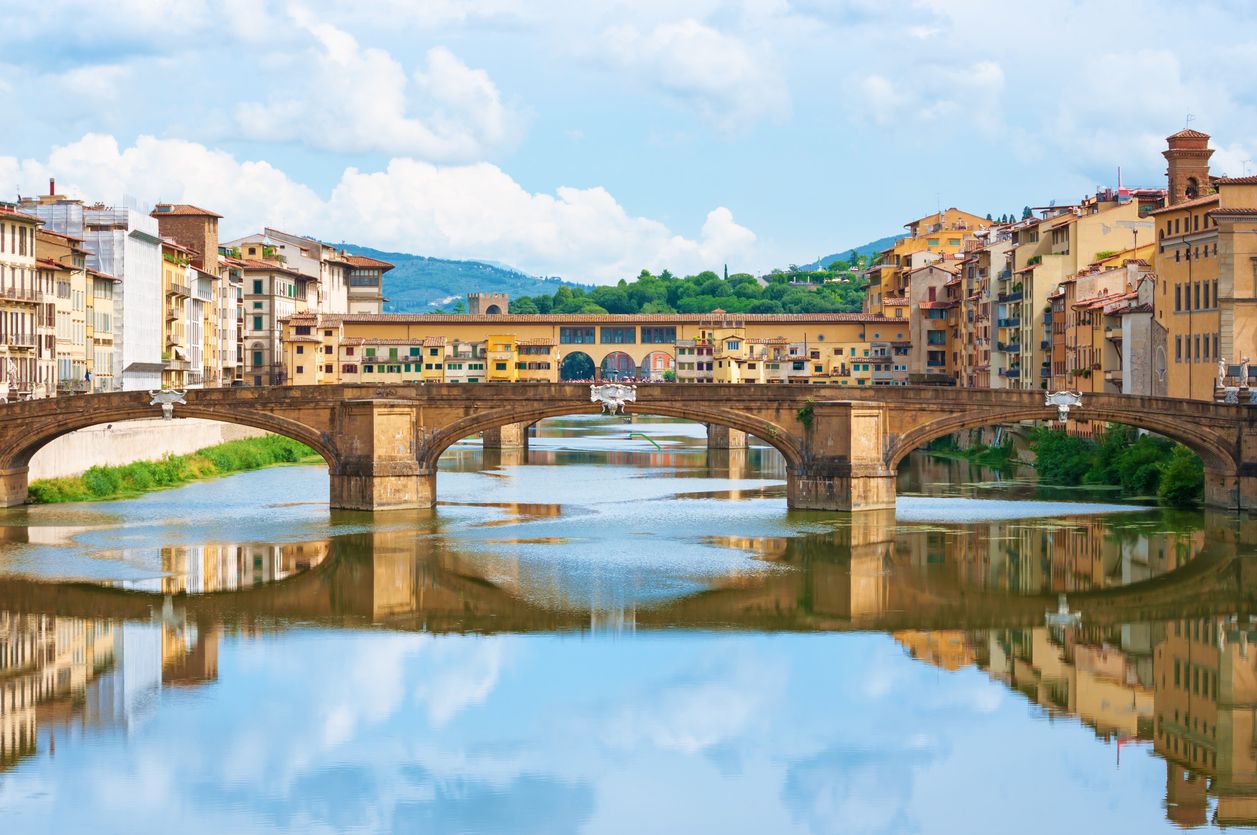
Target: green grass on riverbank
(145,476)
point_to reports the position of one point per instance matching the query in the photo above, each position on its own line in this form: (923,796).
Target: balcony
(1010,297)
(1010,322)
(19,294)
(1113,333)
(1008,347)
(176,289)
(1113,376)
(176,365)
(19,340)
(1046,345)
(172,313)
(1011,373)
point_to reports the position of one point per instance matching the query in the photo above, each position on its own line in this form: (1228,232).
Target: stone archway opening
(577,365)
(618,365)
(656,366)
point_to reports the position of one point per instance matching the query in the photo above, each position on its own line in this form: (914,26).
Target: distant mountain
(869,249)
(427,285)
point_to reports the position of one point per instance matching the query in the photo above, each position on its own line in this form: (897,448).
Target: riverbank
(117,482)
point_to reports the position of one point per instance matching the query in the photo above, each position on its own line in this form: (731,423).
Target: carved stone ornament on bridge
(167,400)
(1064,401)
(612,396)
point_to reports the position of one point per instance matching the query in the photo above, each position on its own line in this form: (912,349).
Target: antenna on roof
(1188,123)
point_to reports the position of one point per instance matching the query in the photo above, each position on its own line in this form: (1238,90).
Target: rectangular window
(1178,349)
(301,369)
(303,330)
(301,349)
(619,336)
(935,338)
(367,369)
(1178,297)
(370,352)
(257,323)
(500,366)
(434,352)
(327,369)
(658,335)
(576,336)
(257,286)
(392,353)
(1197,292)
(257,359)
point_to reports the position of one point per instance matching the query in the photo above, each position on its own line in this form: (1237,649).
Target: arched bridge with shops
(382,443)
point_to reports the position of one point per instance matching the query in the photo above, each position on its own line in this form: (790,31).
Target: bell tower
(1188,172)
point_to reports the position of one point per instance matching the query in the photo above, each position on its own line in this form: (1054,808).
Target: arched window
(1192,191)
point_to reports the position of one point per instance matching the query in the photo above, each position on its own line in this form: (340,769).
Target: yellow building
(837,349)
(941,233)
(1206,245)
(84,316)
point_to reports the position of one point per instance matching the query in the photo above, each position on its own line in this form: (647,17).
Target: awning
(180,354)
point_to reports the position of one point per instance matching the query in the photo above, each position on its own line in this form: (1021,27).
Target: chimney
(52,186)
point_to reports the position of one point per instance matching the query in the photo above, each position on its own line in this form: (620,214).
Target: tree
(460,306)
(1183,480)
(1026,214)
(988,217)
(524,304)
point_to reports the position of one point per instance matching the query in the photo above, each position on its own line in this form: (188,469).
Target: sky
(591,139)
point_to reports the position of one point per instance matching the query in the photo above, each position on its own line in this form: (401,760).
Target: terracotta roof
(1236,211)
(1188,133)
(14,213)
(1236,181)
(577,318)
(936,305)
(364,261)
(180,209)
(57,234)
(1186,204)
(271,266)
(296,338)
(538,341)
(894,301)
(433,341)
(98,274)
(173,244)
(50,264)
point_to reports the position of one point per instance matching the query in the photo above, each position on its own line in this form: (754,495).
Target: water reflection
(573,644)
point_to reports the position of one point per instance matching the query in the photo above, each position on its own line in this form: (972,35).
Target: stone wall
(132,440)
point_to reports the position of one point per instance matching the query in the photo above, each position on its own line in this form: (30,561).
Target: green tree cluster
(836,289)
(1142,465)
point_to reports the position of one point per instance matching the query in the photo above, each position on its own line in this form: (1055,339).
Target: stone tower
(1188,158)
(488,304)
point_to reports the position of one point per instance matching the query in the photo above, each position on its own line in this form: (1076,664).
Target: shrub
(1183,480)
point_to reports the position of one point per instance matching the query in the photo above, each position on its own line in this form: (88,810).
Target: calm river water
(624,634)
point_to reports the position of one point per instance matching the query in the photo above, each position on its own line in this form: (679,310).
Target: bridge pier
(13,485)
(722,437)
(843,466)
(378,468)
(507,436)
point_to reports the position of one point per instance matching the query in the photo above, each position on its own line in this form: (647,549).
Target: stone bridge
(382,443)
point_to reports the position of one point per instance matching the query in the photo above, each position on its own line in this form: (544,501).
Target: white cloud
(466,211)
(717,75)
(967,96)
(343,97)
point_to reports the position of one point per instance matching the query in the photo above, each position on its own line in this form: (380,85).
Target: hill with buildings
(418,284)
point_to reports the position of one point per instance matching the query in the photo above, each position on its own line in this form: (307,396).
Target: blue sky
(591,139)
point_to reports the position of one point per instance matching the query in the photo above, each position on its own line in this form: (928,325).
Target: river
(619,632)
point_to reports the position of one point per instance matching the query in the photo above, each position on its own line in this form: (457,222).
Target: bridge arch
(770,433)
(17,455)
(1216,453)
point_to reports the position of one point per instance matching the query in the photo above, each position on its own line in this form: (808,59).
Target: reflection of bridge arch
(849,579)
(617,365)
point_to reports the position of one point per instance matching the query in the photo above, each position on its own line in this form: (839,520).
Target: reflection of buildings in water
(1083,553)
(46,666)
(948,648)
(1189,687)
(1206,720)
(227,567)
(59,673)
